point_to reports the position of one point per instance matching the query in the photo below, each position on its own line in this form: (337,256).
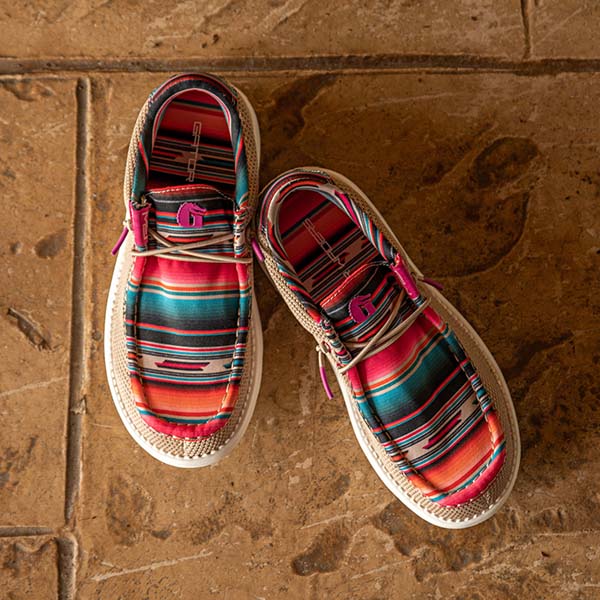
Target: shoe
(427,401)
(183,342)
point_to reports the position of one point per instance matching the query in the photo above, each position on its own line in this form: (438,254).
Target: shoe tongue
(190,213)
(362,303)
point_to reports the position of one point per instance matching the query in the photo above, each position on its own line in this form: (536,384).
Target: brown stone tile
(492,183)
(37,171)
(561,29)
(451,565)
(28,568)
(225,28)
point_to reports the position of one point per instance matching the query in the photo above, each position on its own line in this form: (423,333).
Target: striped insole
(324,246)
(337,263)
(193,144)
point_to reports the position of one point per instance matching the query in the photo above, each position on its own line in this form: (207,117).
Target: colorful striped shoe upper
(415,386)
(188,296)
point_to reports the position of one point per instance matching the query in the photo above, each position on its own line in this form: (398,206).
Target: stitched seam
(235,350)
(354,275)
(492,370)
(188,188)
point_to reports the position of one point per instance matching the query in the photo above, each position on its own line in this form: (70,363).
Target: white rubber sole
(255,340)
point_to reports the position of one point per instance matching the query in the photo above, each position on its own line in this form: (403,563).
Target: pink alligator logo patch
(190,215)
(361,308)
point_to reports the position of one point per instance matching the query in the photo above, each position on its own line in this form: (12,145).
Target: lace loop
(172,251)
(121,239)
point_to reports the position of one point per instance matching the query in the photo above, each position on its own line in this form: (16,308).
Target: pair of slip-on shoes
(183,342)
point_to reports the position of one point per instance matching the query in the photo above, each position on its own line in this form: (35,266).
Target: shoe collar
(359,212)
(149,121)
(136,175)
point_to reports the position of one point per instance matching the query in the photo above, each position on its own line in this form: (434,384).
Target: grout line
(7,532)
(527,17)
(67,567)
(330,63)
(78,328)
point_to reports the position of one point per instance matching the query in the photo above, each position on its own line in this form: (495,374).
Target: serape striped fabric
(193,144)
(419,395)
(187,322)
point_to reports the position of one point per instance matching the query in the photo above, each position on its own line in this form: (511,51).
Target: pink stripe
(423,406)
(169,364)
(186,348)
(144,157)
(182,430)
(400,353)
(434,440)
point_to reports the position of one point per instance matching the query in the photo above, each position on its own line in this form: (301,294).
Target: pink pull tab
(257,250)
(406,279)
(120,240)
(139,224)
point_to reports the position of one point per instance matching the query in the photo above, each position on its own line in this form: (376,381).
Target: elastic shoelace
(174,251)
(381,340)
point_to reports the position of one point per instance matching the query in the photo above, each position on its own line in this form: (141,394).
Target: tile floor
(473,128)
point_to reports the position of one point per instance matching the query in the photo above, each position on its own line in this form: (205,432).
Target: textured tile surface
(29,568)
(563,28)
(225,28)
(490,179)
(37,160)
(492,182)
